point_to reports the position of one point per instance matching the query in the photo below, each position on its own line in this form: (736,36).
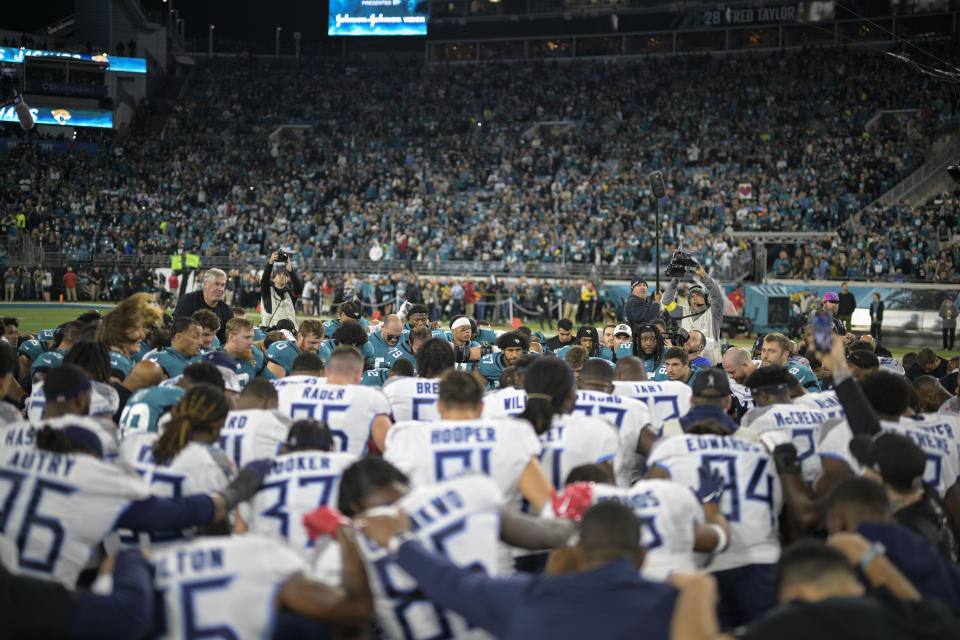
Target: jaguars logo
(61,115)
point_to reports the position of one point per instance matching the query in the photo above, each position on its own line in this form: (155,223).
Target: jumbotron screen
(378,18)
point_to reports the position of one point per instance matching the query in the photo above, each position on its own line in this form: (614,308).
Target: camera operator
(705,313)
(279,289)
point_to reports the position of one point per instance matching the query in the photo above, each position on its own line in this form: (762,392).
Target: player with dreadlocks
(182,459)
(569,440)
(648,345)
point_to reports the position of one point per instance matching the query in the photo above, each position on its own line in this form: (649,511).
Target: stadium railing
(338,265)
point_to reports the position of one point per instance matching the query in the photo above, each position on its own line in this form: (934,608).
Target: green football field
(34,316)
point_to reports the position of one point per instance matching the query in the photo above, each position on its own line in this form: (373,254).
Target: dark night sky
(240,19)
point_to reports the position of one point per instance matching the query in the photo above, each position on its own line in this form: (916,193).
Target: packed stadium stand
(447,163)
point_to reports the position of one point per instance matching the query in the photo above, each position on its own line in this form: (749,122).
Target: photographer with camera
(705,313)
(279,289)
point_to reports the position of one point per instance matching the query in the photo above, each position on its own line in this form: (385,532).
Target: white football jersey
(934,433)
(292,381)
(941,451)
(18,434)
(824,401)
(104,400)
(57,507)
(742,393)
(429,452)
(22,433)
(222,586)
(834,442)
(667,399)
(253,434)
(801,422)
(197,468)
(752,497)
(947,426)
(413,398)
(504,403)
(457,518)
(951,405)
(629,416)
(348,410)
(667,511)
(298,482)
(574,440)
(891,364)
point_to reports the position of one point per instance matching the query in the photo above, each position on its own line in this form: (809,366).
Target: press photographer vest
(704,324)
(282,307)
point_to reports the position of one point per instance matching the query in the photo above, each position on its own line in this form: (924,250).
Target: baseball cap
(636,282)
(831,296)
(697,289)
(624,329)
(352,310)
(220,359)
(711,383)
(513,342)
(227,367)
(898,460)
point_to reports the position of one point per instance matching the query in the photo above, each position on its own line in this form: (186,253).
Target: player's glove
(573,502)
(324,522)
(785,457)
(711,485)
(247,483)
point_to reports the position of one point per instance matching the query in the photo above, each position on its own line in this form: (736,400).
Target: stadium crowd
(399,477)
(446,163)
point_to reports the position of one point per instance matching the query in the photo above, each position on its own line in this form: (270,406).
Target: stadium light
(210,41)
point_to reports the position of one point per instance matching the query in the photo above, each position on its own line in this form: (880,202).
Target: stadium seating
(441,163)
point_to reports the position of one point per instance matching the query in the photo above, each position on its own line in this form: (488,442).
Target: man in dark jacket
(563,338)
(638,308)
(209,297)
(846,307)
